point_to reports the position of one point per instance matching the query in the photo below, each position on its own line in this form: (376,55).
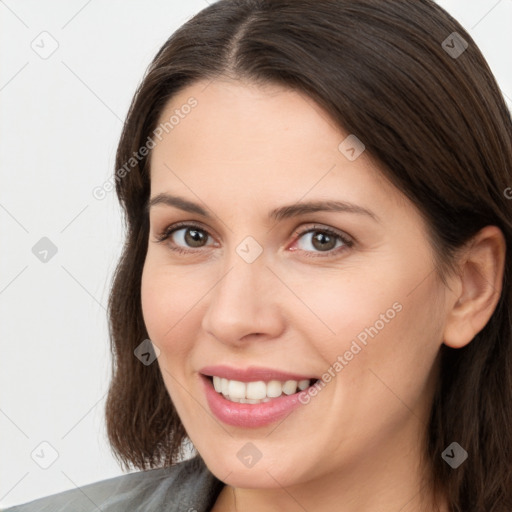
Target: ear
(478,286)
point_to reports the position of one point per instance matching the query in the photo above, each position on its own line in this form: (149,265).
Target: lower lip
(249,415)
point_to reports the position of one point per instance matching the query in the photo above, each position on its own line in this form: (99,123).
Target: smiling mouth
(256,392)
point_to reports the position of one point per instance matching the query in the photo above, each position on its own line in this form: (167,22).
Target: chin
(262,475)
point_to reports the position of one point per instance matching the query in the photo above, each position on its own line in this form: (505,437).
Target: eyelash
(169,230)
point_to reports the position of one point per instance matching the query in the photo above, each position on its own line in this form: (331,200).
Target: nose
(244,304)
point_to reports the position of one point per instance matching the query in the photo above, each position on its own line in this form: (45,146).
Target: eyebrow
(283,212)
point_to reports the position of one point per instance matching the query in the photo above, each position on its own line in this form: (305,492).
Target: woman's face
(358,306)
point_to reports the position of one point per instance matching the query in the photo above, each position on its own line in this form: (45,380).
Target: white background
(61,119)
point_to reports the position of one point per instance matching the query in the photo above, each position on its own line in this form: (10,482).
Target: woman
(315,287)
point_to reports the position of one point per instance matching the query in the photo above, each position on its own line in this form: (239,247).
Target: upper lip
(252,373)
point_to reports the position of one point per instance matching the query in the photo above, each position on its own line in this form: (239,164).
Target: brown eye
(322,240)
(194,237)
(184,236)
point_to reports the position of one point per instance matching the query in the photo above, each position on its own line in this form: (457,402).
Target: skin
(357,445)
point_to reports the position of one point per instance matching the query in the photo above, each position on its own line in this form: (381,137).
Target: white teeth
(290,386)
(257,391)
(224,386)
(303,384)
(236,389)
(274,389)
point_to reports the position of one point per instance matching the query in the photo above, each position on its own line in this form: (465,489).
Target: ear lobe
(480,283)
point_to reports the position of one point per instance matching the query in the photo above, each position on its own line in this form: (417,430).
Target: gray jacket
(188,486)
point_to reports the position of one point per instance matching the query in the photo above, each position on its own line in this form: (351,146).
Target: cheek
(379,319)
(167,310)
(343,303)
(171,306)
(162,305)
(152,301)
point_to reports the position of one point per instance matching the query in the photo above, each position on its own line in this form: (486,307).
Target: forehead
(232,120)
(265,141)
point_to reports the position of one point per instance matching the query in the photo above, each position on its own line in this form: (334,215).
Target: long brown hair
(429,110)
